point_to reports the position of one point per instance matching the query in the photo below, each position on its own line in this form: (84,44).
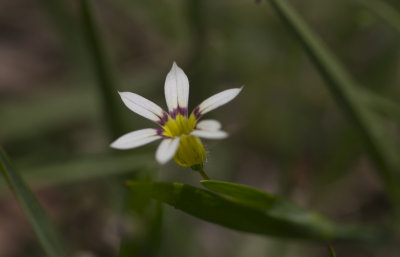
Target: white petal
(135,139)
(219,134)
(167,149)
(176,88)
(142,106)
(209,125)
(219,99)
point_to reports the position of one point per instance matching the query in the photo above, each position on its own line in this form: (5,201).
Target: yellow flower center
(191,151)
(181,125)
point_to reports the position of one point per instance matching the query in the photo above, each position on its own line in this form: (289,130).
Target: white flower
(179,132)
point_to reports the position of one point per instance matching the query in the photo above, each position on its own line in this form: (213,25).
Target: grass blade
(385,107)
(346,92)
(86,168)
(278,218)
(66,26)
(383,10)
(331,250)
(104,73)
(38,219)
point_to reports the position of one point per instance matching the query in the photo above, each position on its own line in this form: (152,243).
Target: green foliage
(222,44)
(249,210)
(345,90)
(383,10)
(38,219)
(103,70)
(85,168)
(331,251)
(32,117)
(385,107)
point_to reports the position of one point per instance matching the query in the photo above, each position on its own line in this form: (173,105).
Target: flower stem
(203,174)
(199,168)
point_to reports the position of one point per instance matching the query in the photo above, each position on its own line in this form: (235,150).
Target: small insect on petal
(217,100)
(218,134)
(135,139)
(167,149)
(142,106)
(176,89)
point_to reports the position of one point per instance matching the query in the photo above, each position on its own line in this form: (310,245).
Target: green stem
(331,250)
(203,174)
(199,169)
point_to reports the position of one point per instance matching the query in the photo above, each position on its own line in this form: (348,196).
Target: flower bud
(190,152)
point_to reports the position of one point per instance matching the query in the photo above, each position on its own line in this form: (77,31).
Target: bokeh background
(288,135)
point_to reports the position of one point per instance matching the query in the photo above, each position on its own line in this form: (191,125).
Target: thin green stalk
(331,250)
(204,175)
(200,169)
(37,217)
(107,85)
(344,89)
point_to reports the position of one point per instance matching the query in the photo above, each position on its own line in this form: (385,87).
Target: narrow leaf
(274,217)
(346,92)
(273,205)
(83,168)
(331,250)
(241,193)
(383,10)
(67,106)
(381,105)
(66,26)
(103,70)
(38,219)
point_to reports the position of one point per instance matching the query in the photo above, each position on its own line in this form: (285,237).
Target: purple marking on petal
(196,112)
(165,116)
(159,131)
(163,119)
(174,113)
(179,110)
(183,111)
(161,122)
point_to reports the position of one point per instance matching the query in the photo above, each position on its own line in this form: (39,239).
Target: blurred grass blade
(38,219)
(67,27)
(77,102)
(67,107)
(331,250)
(383,10)
(147,243)
(345,91)
(385,107)
(274,219)
(84,168)
(104,73)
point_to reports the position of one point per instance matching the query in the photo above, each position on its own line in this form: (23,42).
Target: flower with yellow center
(180,132)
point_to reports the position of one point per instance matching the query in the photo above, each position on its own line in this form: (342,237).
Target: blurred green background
(288,135)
